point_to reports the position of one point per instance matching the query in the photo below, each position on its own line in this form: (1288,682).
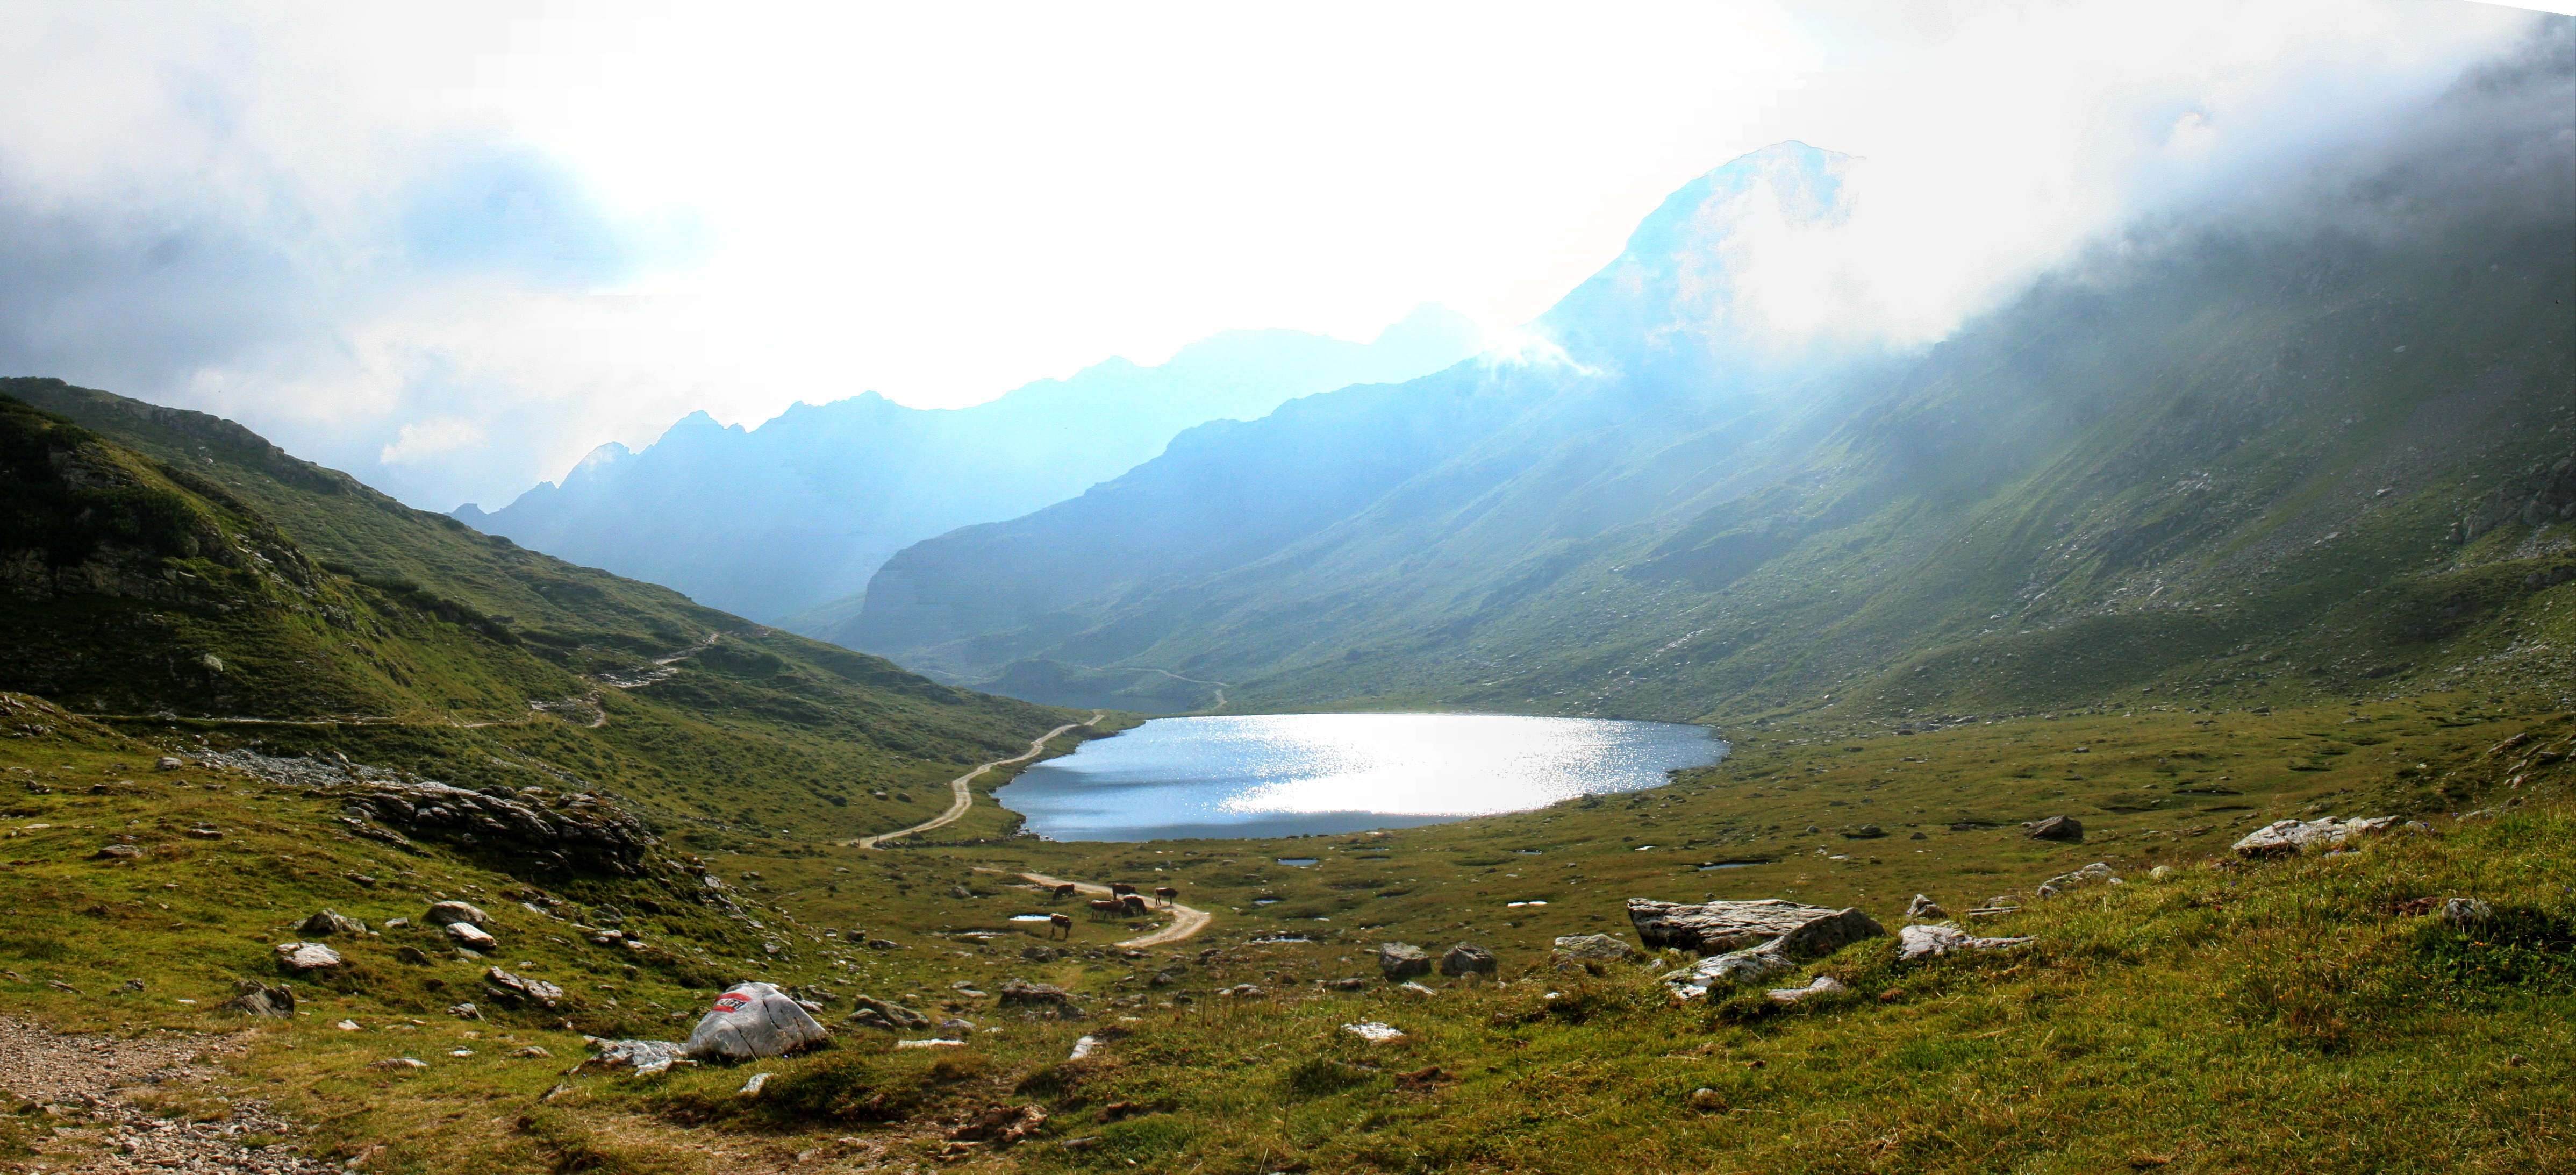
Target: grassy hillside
(178,574)
(2302,1015)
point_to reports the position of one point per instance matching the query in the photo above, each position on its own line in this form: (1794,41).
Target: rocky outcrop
(1746,941)
(1925,942)
(2284,838)
(2061,828)
(330,922)
(1578,949)
(2097,873)
(576,831)
(443,913)
(255,999)
(506,988)
(1040,997)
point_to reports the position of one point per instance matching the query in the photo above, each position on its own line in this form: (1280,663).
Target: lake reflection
(1278,774)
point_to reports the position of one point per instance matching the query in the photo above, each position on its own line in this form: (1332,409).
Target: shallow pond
(1282,774)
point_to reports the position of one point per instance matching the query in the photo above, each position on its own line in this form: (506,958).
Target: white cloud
(569,224)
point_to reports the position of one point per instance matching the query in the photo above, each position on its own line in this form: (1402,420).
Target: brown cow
(1064,891)
(1132,904)
(1167,893)
(1056,922)
(1120,889)
(1108,909)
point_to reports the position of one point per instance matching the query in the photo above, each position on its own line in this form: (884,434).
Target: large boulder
(2285,838)
(330,922)
(872,1012)
(1714,928)
(753,1020)
(1467,958)
(254,999)
(1017,993)
(2066,828)
(1402,960)
(1746,941)
(445,912)
(307,956)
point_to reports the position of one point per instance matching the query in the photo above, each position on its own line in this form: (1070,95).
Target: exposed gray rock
(330,922)
(2066,828)
(1467,958)
(2285,838)
(1924,907)
(1756,940)
(1018,993)
(254,999)
(2466,911)
(2095,873)
(465,1011)
(639,1056)
(445,912)
(512,989)
(961,893)
(753,1020)
(1820,985)
(117,853)
(471,936)
(1402,960)
(1592,948)
(893,1017)
(1863,832)
(1924,942)
(307,956)
(578,830)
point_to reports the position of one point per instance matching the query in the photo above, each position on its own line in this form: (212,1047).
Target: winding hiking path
(1186,921)
(962,797)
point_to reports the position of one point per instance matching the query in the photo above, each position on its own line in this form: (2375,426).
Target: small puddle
(1300,861)
(1267,901)
(1031,917)
(1732,865)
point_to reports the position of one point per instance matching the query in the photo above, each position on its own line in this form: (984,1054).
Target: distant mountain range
(796,514)
(2315,443)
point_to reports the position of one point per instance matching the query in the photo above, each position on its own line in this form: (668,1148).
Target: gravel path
(1186,921)
(962,797)
(90,1126)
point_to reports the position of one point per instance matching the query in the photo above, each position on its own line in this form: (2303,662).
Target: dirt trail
(962,797)
(1186,921)
(79,1082)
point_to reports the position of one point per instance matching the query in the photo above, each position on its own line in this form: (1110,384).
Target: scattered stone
(412,955)
(1821,985)
(400,1063)
(1413,988)
(1423,1080)
(307,956)
(643,1057)
(933,1043)
(345,1025)
(329,922)
(2284,838)
(753,1020)
(2161,873)
(1466,959)
(1925,908)
(1918,836)
(1043,954)
(117,853)
(1923,942)
(1240,991)
(445,912)
(1864,832)
(465,1011)
(534,1052)
(514,989)
(1591,948)
(872,1012)
(1402,960)
(1001,1126)
(1084,1047)
(2097,871)
(471,937)
(1373,1032)
(1707,1101)
(169,763)
(253,999)
(2065,828)
(751,1088)
(2466,911)
(1351,984)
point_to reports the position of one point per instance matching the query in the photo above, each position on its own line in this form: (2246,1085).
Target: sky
(453,248)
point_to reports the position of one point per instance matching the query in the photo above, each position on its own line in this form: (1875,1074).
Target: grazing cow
(1063,922)
(1108,909)
(1167,894)
(1120,889)
(1064,891)
(1132,904)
